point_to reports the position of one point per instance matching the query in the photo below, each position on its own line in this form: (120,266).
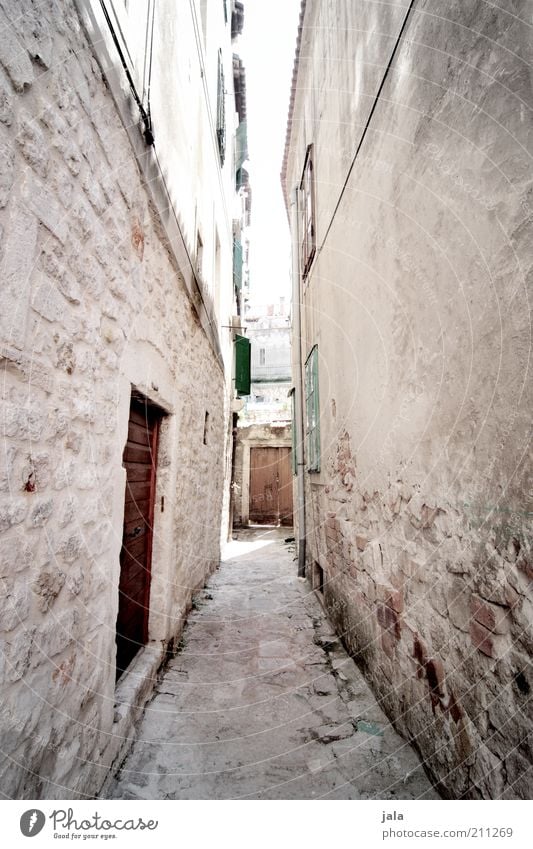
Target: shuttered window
(312,410)
(293,430)
(242,365)
(237,265)
(221,111)
(308,225)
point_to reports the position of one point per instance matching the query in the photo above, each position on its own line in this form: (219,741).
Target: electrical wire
(369,119)
(148,134)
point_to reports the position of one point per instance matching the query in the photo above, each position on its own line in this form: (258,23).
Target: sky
(267,47)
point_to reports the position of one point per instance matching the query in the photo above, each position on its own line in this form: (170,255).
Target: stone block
(435,675)
(361,542)
(486,772)
(493,617)
(6,102)
(7,460)
(47,586)
(70,548)
(46,300)
(395,599)
(15,605)
(525,564)
(14,57)
(389,620)
(17,265)
(458,602)
(7,161)
(33,144)
(56,636)
(41,513)
(15,554)
(331,733)
(388,643)
(18,651)
(27,367)
(419,650)
(391,596)
(37,198)
(12,512)
(518,770)
(482,638)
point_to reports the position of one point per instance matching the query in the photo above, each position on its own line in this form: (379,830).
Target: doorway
(271,486)
(139,460)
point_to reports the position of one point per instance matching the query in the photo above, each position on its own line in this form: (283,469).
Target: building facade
(268,328)
(117,198)
(406,177)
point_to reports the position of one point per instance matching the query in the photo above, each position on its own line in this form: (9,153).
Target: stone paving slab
(262,701)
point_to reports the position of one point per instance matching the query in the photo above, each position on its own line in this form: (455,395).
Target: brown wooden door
(285,487)
(139,460)
(270,486)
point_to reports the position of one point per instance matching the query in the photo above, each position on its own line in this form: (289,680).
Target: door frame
(156,415)
(247,445)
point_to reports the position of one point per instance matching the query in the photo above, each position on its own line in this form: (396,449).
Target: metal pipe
(296,352)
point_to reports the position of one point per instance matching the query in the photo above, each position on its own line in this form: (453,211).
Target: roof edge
(283,174)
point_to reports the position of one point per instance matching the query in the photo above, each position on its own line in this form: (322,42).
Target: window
(206,426)
(312,412)
(308,235)
(262,356)
(221,111)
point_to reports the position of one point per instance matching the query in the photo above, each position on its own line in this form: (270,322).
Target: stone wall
(418,300)
(92,304)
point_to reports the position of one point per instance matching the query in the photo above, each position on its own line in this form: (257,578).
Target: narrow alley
(266,479)
(262,700)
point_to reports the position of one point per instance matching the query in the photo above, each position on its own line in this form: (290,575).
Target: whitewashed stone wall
(419,302)
(91,304)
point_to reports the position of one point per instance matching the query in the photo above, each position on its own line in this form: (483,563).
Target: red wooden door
(270,486)
(139,460)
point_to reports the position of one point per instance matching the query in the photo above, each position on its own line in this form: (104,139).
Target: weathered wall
(91,303)
(256,435)
(418,301)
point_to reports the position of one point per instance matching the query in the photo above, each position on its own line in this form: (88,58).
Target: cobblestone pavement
(262,701)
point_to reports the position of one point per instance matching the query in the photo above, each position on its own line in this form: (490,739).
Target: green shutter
(293,431)
(242,365)
(312,410)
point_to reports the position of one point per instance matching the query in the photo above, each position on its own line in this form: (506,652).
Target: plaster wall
(418,300)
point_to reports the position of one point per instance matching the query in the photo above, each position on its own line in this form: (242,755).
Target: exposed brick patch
(361,542)
(388,643)
(455,709)
(419,650)
(389,620)
(481,638)
(491,616)
(435,675)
